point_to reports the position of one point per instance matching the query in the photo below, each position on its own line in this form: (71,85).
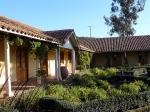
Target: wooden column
(56,64)
(7,67)
(57,61)
(73,62)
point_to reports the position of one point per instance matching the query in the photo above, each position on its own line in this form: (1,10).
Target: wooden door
(21,64)
(51,64)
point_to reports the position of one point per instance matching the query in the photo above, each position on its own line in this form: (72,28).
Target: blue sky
(69,14)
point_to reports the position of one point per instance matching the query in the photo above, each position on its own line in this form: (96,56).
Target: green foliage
(112,71)
(25,102)
(124,14)
(40,72)
(104,73)
(116,104)
(113,92)
(97,94)
(39,48)
(47,104)
(103,84)
(17,41)
(56,91)
(84,59)
(133,87)
(75,94)
(99,72)
(28,101)
(87,80)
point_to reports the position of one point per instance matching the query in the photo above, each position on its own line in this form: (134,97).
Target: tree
(124,14)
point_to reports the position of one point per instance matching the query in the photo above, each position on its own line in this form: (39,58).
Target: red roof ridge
(20,23)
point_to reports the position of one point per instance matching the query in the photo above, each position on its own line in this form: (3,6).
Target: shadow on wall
(1,69)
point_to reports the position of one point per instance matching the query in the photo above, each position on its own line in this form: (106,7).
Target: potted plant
(40,73)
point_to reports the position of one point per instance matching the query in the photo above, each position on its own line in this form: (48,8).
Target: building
(17,64)
(115,51)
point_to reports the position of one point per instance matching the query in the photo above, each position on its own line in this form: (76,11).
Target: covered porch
(17,64)
(59,59)
(116,59)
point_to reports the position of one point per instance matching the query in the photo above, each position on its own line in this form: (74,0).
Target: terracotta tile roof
(115,44)
(60,35)
(15,26)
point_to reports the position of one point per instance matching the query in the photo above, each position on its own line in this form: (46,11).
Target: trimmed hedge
(114,104)
(117,104)
(48,104)
(127,78)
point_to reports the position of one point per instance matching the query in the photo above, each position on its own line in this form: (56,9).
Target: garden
(91,90)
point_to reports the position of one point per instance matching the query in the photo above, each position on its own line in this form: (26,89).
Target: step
(3,95)
(22,88)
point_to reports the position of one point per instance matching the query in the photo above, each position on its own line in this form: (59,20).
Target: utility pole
(90,28)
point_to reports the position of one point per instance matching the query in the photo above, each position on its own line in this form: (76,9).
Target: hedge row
(52,105)
(117,104)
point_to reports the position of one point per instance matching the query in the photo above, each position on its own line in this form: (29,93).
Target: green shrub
(103,84)
(48,104)
(112,71)
(88,94)
(72,95)
(88,80)
(99,72)
(96,94)
(27,101)
(74,79)
(56,91)
(116,92)
(133,87)
(86,71)
(116,104)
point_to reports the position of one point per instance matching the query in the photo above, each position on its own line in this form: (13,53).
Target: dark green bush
(116,104)
(88,80)
(47,105)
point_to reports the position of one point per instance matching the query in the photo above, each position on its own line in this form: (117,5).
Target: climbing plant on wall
(40,49)
(84,59)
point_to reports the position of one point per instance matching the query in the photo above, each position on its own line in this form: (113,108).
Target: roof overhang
(26,35)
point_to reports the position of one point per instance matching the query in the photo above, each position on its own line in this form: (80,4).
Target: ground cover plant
(84,91)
